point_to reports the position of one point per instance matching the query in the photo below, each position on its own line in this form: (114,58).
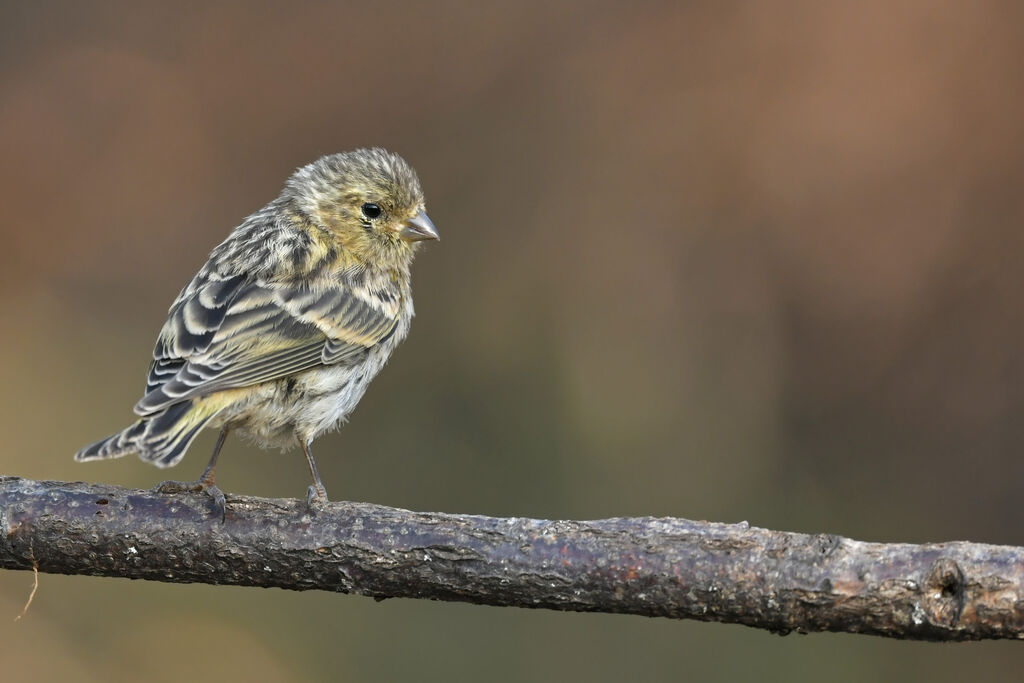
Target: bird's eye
(371,210)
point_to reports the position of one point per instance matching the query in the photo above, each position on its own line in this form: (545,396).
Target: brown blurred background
(722,261)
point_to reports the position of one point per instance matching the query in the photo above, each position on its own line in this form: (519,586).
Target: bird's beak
(418,228)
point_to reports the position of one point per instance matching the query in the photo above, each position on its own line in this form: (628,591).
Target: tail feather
(161,439)
(116,445)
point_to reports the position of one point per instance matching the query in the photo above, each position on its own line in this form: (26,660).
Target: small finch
(280,332)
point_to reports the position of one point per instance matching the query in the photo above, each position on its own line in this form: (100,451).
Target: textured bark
(649,566)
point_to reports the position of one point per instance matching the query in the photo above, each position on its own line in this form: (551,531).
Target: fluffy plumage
(280,332)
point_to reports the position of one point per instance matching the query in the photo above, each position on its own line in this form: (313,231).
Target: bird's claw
(207,487)
(316,498)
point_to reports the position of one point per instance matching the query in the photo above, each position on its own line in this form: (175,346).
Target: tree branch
(649,566)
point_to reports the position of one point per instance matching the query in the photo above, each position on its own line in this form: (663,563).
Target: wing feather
(232,333)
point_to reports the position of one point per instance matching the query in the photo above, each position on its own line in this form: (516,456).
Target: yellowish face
(370,202)
(382,210)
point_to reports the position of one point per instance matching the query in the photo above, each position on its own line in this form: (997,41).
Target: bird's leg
(316,494)
(205,480)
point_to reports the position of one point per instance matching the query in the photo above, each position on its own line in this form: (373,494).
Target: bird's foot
(316,498)
(202,484)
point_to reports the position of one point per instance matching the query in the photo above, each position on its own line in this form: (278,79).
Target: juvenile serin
(280,332)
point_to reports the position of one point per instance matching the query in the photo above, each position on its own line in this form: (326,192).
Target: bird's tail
(161,439)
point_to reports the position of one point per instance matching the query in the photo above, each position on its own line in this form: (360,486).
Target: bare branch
(649,566)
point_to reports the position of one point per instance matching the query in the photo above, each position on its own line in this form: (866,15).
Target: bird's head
(369,201)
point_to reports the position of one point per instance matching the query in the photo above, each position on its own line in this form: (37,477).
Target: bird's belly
(305,405)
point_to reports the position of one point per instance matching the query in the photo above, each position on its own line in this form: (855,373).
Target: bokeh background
(716,260)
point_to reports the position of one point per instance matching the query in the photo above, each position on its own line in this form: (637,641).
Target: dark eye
(371,210)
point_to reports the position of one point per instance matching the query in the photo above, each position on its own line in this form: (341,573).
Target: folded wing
(233,332)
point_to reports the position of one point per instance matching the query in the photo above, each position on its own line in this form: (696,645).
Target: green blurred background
(729,261)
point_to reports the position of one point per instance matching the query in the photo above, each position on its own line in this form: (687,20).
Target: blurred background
(716,260)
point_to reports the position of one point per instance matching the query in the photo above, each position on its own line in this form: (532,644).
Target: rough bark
(648,566)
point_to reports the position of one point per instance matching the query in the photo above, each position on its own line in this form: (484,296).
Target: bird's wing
(232,333)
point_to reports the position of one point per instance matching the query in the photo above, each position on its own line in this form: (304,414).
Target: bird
(280,332)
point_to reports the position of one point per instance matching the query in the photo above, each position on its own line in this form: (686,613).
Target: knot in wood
(944,593)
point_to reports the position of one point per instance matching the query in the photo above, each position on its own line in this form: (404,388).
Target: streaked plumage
(280,332)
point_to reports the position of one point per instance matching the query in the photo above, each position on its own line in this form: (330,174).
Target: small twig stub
(35,583)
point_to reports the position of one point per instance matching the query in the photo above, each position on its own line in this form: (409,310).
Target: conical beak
(418,228)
